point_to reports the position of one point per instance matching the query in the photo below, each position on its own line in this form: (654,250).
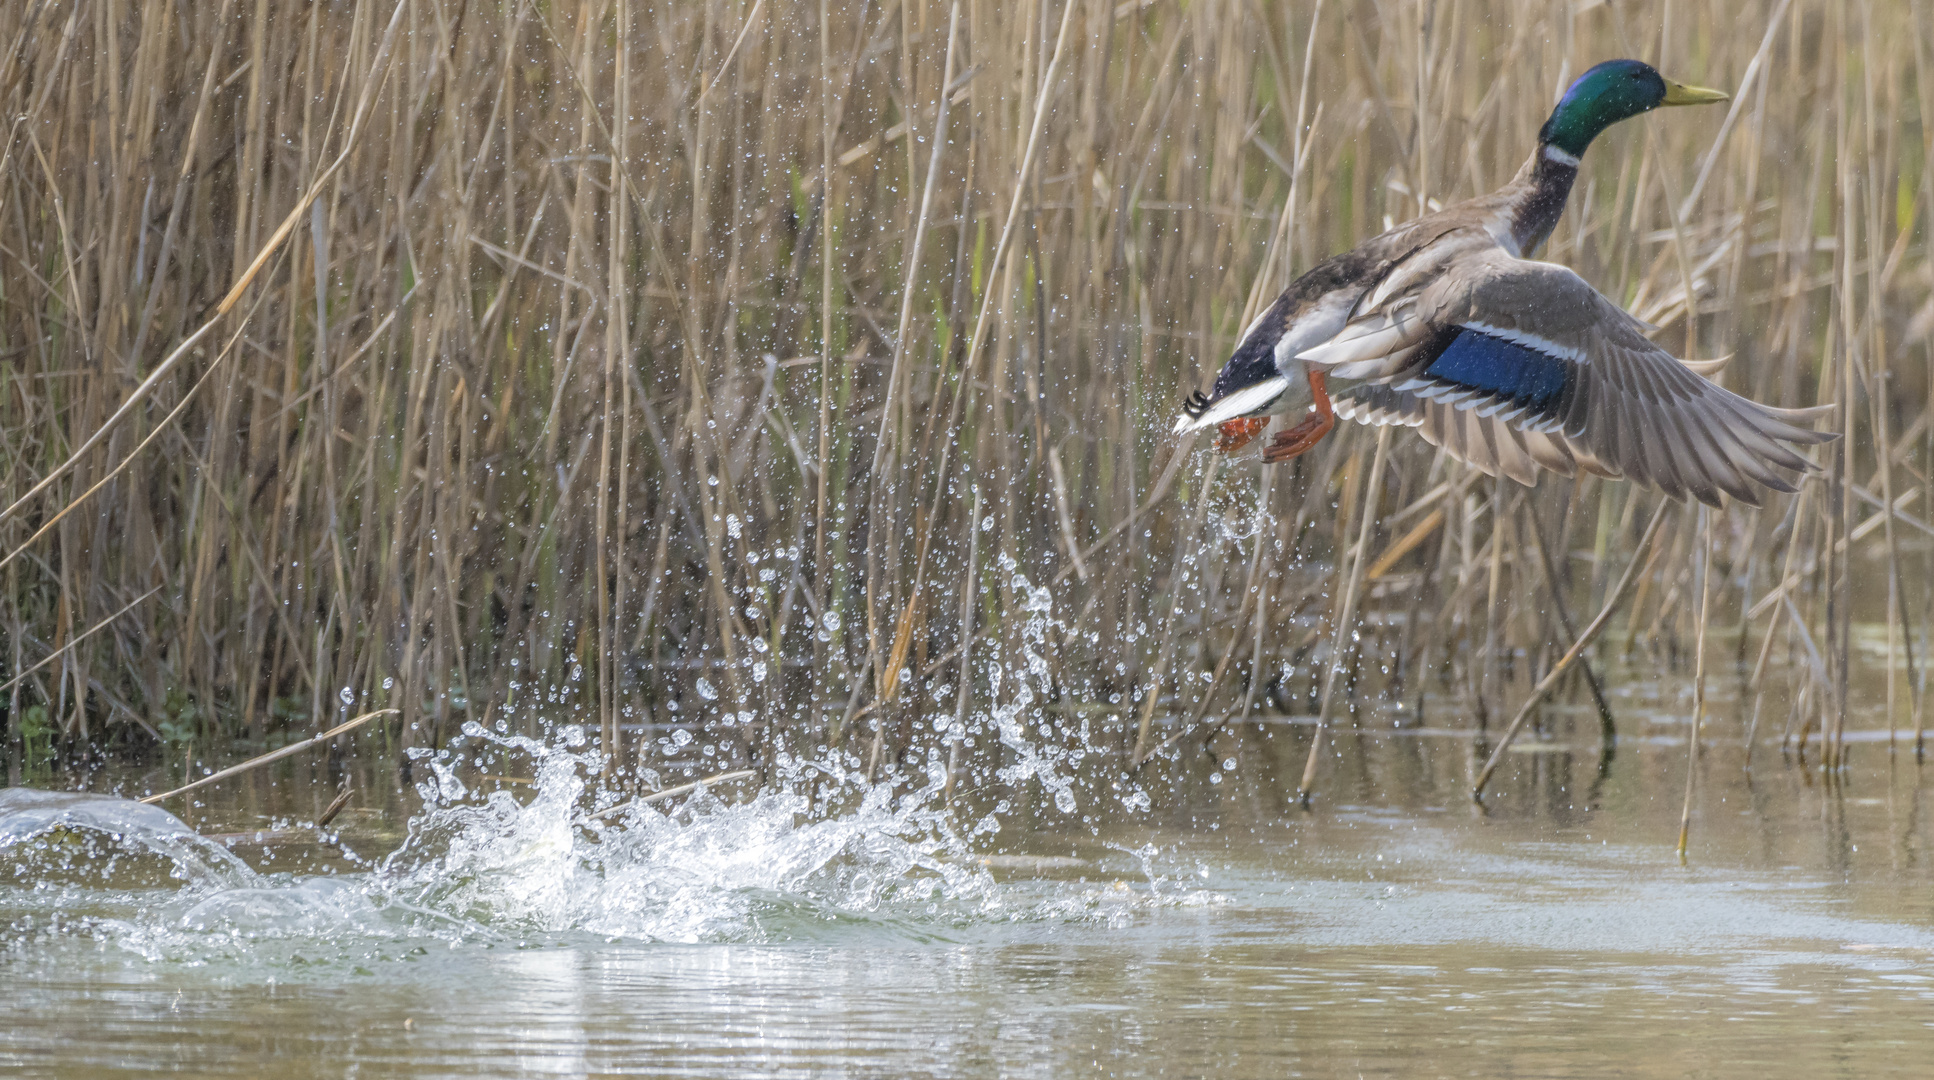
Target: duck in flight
(1506,363)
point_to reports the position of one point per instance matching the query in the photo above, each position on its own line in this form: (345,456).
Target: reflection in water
(829,926)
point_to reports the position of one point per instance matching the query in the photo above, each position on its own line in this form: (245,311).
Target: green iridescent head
(1614,90)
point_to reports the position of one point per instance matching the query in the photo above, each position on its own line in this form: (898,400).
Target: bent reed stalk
(749,365)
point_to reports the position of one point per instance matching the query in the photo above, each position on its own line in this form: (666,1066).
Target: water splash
(52,839)
(705,870)
(1033,760)
(820,853)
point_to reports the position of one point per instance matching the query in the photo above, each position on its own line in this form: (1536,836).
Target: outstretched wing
(1512,365)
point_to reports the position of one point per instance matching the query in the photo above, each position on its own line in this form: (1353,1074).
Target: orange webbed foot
(1293,442)
(1233,435)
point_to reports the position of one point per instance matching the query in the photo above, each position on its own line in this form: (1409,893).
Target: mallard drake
(1506,363)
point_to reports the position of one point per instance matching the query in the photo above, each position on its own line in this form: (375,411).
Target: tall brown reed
(647,363)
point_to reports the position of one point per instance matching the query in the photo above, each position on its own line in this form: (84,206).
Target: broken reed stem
(1253,595)
(673,792)
(77,502)
(1698,676)
(336,805)
(274,755)
(964,679)
(889,682)
(1001,253)
(1346,617)
(1608,728)
(1577,649)
(821,587)
(1152,684)
(77,639)
(921,220)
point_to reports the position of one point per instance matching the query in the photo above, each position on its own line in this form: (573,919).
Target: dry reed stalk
(674,792)
(1346,616)
(277,754)
(76,640)
(1698,678)
(1608,731)
(1577,649)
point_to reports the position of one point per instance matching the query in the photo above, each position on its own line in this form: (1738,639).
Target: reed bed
(754,366)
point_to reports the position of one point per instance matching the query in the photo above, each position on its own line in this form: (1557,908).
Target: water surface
(1193,922)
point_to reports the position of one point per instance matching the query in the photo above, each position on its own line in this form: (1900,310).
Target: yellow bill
(1681,94)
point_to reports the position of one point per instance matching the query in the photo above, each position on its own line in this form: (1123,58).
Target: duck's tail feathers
(1200,413)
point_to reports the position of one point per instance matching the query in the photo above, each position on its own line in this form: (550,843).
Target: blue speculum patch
(1503,369)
